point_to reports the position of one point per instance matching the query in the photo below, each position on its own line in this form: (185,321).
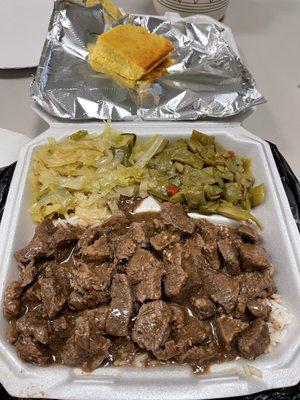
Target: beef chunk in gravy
(121,306)
(173,215)
(228,328)
(259,309)
(145,272)
(191,333)
(65,235)
(12,300)
(255,340)
(175,277)
(152,326)
(248,233)
(93,278)
(124,248)
(163,239)
(162,288)
(221,288)
(230,256)
(31,324)
(201,355)
(256,284)
(98,251)
(253,257)
(30,351)
(41,244)
(205,308)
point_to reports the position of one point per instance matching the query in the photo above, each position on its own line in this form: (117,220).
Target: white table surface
(268,36)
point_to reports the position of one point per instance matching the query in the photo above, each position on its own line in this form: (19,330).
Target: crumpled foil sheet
(207,80)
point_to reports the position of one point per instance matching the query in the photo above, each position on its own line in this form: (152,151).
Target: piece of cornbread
(130,51)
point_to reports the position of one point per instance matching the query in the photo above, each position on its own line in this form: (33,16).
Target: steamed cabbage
(84,175)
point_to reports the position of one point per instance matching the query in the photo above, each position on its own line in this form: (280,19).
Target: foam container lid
(279,368)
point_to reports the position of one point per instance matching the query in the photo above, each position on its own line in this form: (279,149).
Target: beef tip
(255,340)
(191,261)
(33,293)
(86,347)
(152,326)
(121,306)
(163,239)
(124,249)
(59,326)
(175,277)
(210,251)
(256,284)
(150,287)
(123,351)
(30,351)
(204,307)
(192,333)
(137,233)
(253,257)
(28,274)
(102,345)
(201,355)
(12,334)
(174,215)
(193,282)
(228,328)
(98,251)
(208,231)
(104,274)
(240,307)
(32,324)
(179,315)
(40,246)
(221,288)
(97,318)
(168,351)
(225,232)
(85,336)
(97,278)
(52,295)
(90,299)
(72,354)
(193,248)
(65,235)
(61,272)
(259,309)
(248,233)
(116,223)
(158,225)
(229,255)
(145,272)
(87,237)
(12,300)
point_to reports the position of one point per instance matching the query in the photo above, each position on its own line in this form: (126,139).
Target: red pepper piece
(230,153)
(172,189)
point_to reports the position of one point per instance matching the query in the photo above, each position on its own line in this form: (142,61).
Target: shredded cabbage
(84,175)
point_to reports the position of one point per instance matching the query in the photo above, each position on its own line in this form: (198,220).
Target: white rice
(280,317)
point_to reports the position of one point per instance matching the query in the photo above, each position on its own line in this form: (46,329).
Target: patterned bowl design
(213,8)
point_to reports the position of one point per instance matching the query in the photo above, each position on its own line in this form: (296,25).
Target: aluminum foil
(207,80)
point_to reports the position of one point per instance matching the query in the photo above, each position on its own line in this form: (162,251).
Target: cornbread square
(130,51)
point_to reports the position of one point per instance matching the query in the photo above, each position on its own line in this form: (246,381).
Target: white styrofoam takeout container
(281,239)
